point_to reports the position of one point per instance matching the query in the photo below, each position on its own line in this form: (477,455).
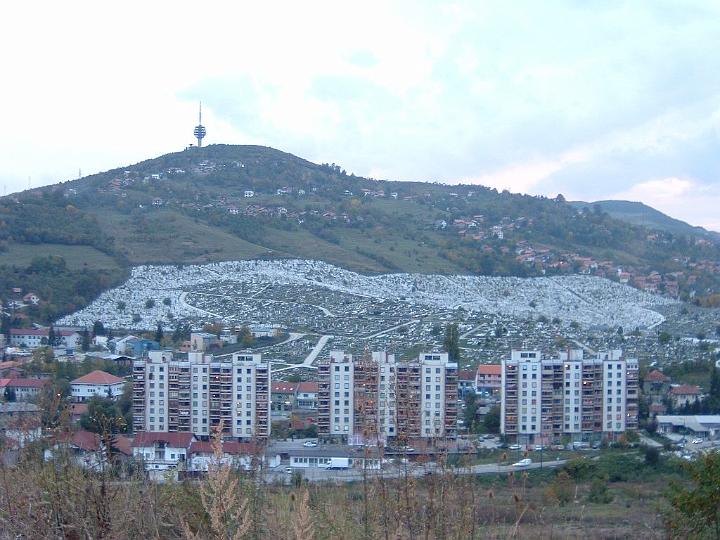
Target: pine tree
(85,340)
(159,332)
(451,343)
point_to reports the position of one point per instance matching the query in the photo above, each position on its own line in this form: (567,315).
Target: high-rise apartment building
(376,398)
(547,399)
(198,393)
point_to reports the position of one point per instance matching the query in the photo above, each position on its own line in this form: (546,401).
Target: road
(353,475)
(383,332)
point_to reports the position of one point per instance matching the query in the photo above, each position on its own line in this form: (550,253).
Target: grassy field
(169,237)
(76,257)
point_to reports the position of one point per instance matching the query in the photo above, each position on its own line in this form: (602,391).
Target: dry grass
(42,500)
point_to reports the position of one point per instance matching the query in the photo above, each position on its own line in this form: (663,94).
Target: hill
(224,202)
(638,213)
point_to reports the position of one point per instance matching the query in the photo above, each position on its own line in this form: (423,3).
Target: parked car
(288,470)
(515,447)
(310,444)
(697,441)
(523,463)
(538,448)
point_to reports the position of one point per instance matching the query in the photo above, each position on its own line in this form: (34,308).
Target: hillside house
(87,450)
(32,338)
(307,395)
(31,298)
(96,383)
(488,379)
(282,395)
(656,385)
(24,389)
(20,423)
(245,456)
(248,193)
(684,394)
(465,382)
(161,452)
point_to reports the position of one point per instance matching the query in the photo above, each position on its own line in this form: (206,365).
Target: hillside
(225,202)
(638,213)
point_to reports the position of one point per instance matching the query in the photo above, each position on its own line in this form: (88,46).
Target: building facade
(197,394)
(377,398)
(548,399)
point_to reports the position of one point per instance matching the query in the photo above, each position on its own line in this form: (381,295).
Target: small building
(282,395)
(465,382)
(488,379)
(321,456)
(248,193)
(656,385)
(97,383)
(161,452)
(204,341)
(700,425)
(32,338)
(245,456)
(31,298)
(263,331)
(87,450)
(19,423)
(307,395)
(684,394)
(24,389)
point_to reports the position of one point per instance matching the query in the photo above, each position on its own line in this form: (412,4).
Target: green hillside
(196,206)
(638,213)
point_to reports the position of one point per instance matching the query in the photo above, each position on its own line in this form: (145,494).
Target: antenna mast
(199,130)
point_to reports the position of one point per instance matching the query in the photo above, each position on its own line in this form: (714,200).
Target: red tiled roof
(98,377)
(308,387)
(228,447)
(657,408)
(284,387)
(489,369)
(656,376)
(23,383)
(685,389)
(42,332)
(78,409)
(172,439)
(466,375)
(90,442)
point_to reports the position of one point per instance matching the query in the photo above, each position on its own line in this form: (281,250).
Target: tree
(98,329)
(451,343)
(102,416)
(121,306)
(695,508)
(491,422)
(85,340)
(599,492)
(9,394)
(149,303)
(167,301)
(52,338)
(245,337)
(470,414)
(159,332)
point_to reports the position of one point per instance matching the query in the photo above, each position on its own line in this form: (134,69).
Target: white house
(33,338)
(97,383)
(249,193)
(161,452)
(245,456)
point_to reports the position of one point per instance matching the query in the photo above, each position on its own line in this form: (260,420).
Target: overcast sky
(592,99)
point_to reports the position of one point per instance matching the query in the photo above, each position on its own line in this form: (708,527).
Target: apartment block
(197,393)
(546,399)
(377,398)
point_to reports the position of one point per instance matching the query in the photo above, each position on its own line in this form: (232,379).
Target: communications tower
(199,130)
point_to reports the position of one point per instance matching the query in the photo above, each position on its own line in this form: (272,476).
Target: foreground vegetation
(623,494)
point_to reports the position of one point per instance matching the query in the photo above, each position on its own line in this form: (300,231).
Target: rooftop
(98,377)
